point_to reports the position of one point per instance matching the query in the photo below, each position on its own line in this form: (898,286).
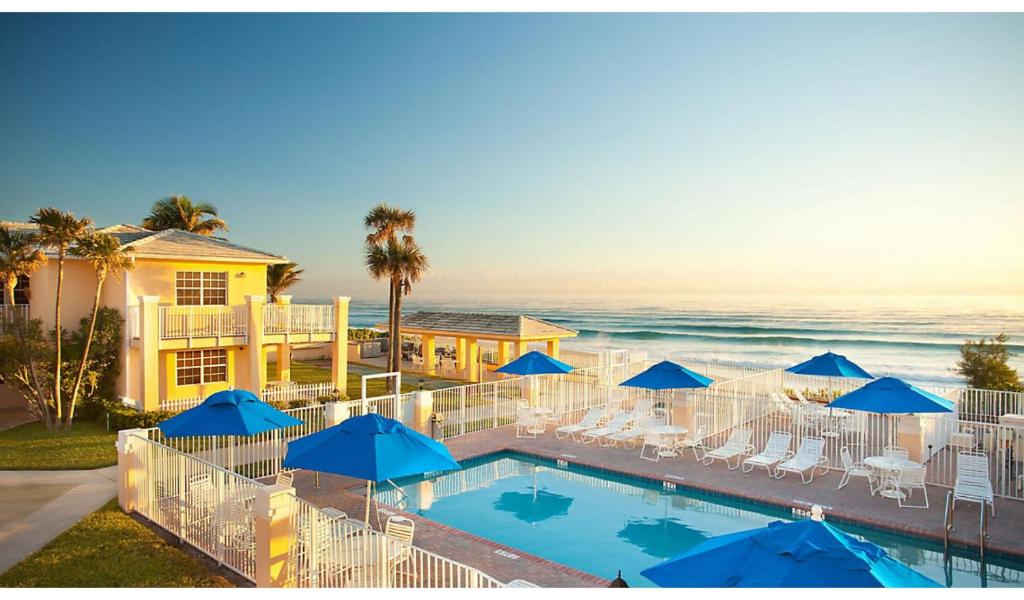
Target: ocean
(912,337)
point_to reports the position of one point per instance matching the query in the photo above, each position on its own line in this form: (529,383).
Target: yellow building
(196,315)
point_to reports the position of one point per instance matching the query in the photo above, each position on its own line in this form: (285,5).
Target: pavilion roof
(519,326)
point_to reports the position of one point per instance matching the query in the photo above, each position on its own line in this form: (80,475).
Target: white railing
(298,318)
(329,551)
(304,391)
(180,404)
(182,322)
(9,314)
(201,503)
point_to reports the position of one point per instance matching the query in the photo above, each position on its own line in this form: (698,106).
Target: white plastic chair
(661,444)
(695,442)
(852,468)
(736,446)
(896,452)
(973,483)
(286,478)
(809,456)
(634,434)
(616,424)
(910,479)
(590,420)
(775,451)
(528,424)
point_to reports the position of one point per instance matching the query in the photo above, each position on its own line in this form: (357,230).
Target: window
(196,288)
(202,366)
(20,292)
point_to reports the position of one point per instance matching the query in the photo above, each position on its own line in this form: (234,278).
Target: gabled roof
(173,244)
(520,326)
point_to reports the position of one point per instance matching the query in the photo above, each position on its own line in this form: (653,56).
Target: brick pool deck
(853,504)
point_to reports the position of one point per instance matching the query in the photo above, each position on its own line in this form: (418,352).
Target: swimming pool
(601,522)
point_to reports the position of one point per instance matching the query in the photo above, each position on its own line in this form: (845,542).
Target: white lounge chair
(809,456)
(910,479)
(736,446)
(634,434)
(286,478)
(590,420)
(616,423)
(852,468)
(775,451)
(973,483)
(528,423)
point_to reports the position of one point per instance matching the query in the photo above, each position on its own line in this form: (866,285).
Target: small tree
(985,365)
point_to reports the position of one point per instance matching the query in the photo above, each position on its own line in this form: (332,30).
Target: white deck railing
(183,322)
(298,318)
(9,314)
(281,393)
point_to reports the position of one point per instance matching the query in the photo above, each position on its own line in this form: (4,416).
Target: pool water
(600,522)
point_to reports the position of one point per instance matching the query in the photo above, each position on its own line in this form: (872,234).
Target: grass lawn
(30,447)
(307,373)
(110,549)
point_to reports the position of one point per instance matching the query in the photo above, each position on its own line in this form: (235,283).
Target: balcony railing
(8,315)
(182,322)
(298,318)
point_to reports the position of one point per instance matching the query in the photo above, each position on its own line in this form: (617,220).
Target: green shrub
(123,417)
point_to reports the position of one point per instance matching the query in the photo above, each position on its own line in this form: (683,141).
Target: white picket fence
(281,393)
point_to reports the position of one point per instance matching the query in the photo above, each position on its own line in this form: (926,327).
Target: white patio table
(673,431)
(889,470)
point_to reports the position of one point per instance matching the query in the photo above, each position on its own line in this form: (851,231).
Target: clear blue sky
(545,153)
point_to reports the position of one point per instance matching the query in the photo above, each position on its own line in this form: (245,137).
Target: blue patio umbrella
(535,363)
(369,447)
(667,375)
(799,554)
(228,413)
(889,395)
(830,364)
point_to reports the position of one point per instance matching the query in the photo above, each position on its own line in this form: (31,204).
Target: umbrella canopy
(830,364)
(890,395)
(369,447)
(667,375)
(229,412)
(535,363)
(800,554)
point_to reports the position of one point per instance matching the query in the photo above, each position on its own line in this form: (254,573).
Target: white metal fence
(329,551)
(298,318)
(203,504)
(281,393)
(180,322)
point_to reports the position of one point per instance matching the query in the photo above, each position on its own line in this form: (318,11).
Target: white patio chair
(736,446)
(286,478)
(973,483)
(809,456)
(592,419)
(853,468)
(800,397)
(402,529)
(910,479)
(695,441)
(775,451)
(528,423)
(616,423)
(896,452)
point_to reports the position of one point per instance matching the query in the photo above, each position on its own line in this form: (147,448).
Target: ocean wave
(791,340)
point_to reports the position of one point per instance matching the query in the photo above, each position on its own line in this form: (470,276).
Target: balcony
(210,326)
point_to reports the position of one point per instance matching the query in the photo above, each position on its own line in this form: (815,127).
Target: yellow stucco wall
(156,278)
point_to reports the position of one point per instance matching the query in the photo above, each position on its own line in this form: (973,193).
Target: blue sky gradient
(549,154)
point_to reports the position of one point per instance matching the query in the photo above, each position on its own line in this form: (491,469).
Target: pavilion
(511,333)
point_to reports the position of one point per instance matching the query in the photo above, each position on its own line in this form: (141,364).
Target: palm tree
(108,257)
(58,230)
(20,257)
(384,223)
(281,277)
(178,212)
(403,263)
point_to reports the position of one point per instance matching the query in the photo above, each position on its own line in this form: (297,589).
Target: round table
(666,431)
(542,410)
(890,467)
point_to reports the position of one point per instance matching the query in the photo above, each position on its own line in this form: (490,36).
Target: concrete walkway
(40,505)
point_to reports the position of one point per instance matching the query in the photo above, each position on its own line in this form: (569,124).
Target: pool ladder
(982,527)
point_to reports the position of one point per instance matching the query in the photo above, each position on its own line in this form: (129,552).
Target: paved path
(13,411)
(40,505)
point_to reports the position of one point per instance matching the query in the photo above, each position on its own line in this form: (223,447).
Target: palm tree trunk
(57,337)
(398,332)
(391,326)
(19,333)
(85,352)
